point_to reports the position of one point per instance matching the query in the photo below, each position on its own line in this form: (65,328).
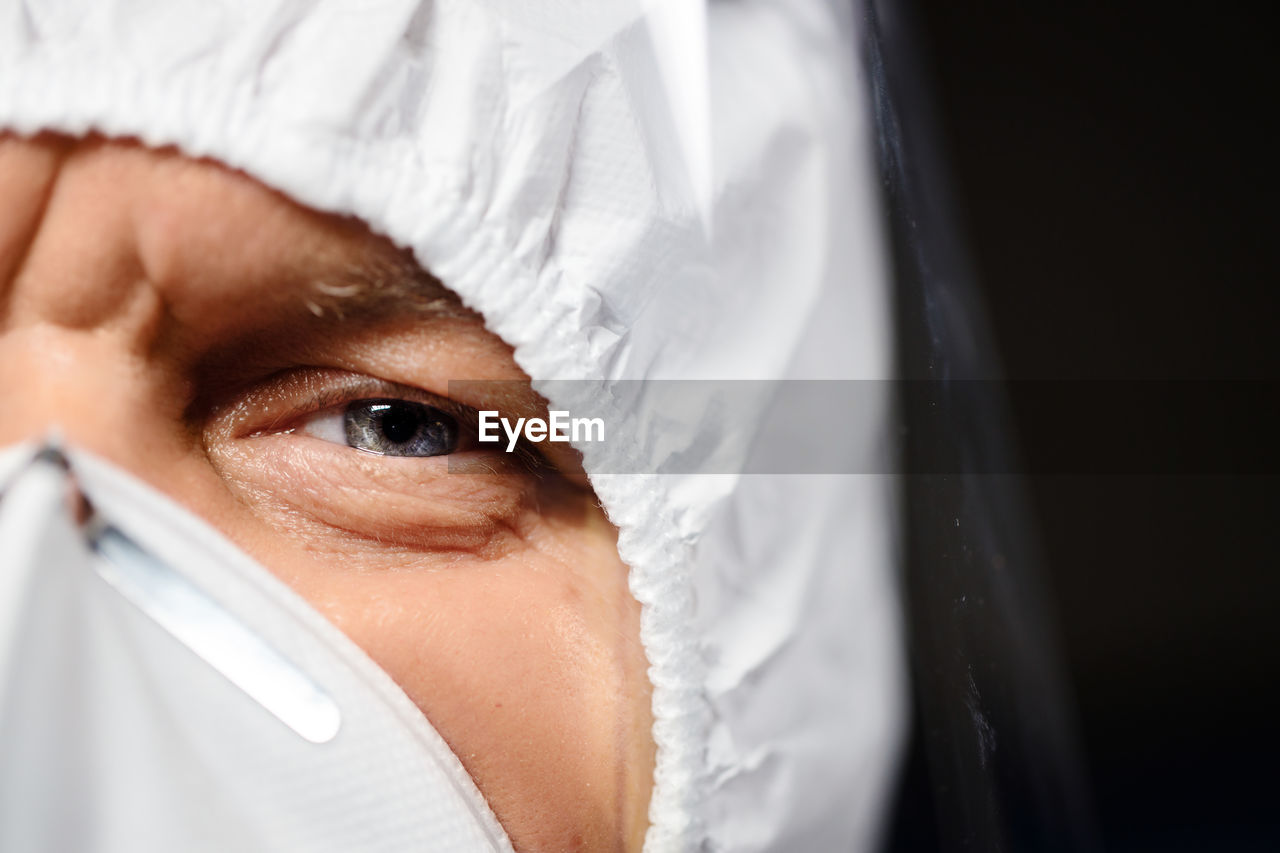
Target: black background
(1114,184)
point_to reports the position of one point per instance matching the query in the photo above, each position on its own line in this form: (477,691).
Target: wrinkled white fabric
(255,726)
(537,156)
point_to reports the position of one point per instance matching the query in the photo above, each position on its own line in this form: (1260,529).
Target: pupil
(392,427)
(399,422)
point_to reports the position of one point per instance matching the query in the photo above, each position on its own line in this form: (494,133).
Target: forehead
(93,218)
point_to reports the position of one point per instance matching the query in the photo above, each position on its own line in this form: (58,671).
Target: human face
(208,335)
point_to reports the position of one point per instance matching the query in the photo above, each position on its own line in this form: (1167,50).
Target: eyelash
(352,388)
(281,402)
(334,399)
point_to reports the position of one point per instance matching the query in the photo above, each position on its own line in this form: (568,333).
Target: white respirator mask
(160,691)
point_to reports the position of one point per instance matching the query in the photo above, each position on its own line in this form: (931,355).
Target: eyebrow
(382,282)
(386,282)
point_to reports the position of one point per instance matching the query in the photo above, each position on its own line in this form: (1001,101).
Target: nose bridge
(85,386)
(78,316)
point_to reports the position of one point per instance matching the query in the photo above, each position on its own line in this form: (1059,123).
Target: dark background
(1114,185)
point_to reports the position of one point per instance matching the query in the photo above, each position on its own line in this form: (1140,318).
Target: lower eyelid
(413,503)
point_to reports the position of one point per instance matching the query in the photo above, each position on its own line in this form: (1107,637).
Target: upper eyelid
(467,417)
(279,402)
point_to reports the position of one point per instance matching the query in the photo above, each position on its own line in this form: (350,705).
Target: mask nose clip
(79,510)
(42,517)
(49,532)
(159,691)
(35,486)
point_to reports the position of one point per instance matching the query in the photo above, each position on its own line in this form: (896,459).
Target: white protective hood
(624,189)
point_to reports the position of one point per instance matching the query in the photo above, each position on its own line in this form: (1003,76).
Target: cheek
(498,603)
(529,665)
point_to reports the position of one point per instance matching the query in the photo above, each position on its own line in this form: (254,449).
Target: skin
(198,329)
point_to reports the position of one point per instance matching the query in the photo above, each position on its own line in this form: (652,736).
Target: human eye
(340,458)
(386,426)
(356,412)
